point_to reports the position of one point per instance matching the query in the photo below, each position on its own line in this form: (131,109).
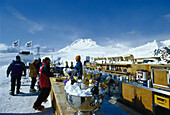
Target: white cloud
(131,32)
(34,26)
(167,16)
(3,46)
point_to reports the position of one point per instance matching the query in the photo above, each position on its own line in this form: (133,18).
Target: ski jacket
(78,68)
(33,70)
(44,76)
(16,68)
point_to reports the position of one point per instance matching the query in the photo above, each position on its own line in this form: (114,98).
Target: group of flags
(17,43)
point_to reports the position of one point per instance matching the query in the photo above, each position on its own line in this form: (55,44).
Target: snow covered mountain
(80,44)
(88,47)
(147,49)
(166,43)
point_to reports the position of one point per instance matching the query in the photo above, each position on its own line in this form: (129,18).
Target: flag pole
(32,46)
(19,45)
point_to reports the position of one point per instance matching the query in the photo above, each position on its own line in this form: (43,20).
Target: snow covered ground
(19,104)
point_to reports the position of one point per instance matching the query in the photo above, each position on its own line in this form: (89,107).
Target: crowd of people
(40,70)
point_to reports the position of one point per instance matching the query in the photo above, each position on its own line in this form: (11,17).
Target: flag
(28,44)
(16,43)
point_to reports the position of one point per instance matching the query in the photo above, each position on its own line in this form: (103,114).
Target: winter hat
(18,57)
(47,58)
(78,58)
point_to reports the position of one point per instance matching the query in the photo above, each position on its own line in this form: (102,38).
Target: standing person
(39,65)
(78,67)
(44,84)
(38,83)
(33,74)
(16,68)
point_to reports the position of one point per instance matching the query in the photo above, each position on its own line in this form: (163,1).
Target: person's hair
(47,58)
(43,60)
(18,57)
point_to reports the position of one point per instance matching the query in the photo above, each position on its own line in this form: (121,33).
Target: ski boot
(40,108)
(11,93)
(32,90)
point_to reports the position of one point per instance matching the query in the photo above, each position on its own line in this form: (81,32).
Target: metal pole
(52,56)
(19,44)
(32,46)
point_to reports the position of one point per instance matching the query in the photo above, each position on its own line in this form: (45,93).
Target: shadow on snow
(47,111)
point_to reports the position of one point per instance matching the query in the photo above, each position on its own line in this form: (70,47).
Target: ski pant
(38,86)
(33,82)
(13,81)
(44,93)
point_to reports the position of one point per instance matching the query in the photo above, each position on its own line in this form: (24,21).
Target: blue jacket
(78,68)
(16,68)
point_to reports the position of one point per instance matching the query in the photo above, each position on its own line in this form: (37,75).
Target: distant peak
(83,41)
(81,44)
(155,41)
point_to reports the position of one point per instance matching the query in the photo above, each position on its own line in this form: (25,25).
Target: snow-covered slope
(19,104)
(80,44)
(88,47)
(145,50)
(166,42)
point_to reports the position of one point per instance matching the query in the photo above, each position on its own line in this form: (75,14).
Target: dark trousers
(44,93)
(13,81)
(33,82)
(38,86)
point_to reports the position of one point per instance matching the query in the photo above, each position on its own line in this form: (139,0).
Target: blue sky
(57,23)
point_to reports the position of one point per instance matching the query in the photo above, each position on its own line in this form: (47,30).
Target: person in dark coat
(78,68)
(16,68)
(38,83)
(44,84)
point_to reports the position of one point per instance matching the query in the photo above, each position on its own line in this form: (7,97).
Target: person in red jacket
(44,84)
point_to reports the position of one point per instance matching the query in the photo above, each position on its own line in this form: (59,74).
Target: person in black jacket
(16,68)
(38,83)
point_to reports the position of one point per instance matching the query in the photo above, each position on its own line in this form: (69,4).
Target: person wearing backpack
(16,68)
